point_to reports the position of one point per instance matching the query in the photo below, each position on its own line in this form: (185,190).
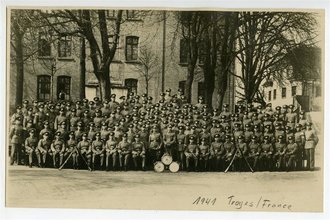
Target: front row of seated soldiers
(194,151)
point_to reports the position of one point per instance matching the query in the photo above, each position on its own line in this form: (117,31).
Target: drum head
(167,159)
(159,167)
(174,167)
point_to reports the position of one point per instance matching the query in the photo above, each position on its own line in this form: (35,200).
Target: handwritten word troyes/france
(262,203)
(205,201)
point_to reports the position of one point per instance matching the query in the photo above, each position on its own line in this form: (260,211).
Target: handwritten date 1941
(204,201)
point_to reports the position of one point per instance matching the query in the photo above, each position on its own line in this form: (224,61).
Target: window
(184,51)
(132,44)
(44,46)
(131,84)
(201,89)
(64,46)
(43,87)
(117,53)
(182,85)
(110,13)
(132,15)
(269,95)
(63,87)
(274,94)
(294,90)
(284,92)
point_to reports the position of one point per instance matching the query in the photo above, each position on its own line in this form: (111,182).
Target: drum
(167,159)
(174,167)
(159,167)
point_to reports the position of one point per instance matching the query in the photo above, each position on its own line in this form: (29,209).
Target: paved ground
(148,190)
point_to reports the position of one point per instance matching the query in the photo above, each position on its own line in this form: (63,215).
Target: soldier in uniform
(290,154)
(248,133)
(27,117)
(217,152)
(302,120)
(42,149)
(291,117)
(124,151)
(57,149)
(60,119)
(74,118)
(181,141)
(40,117)
(310,140)
(25,107)
(16,136)
(113,104)
(280,151)
(63,131)
(84,146)
(155,144)
(169,139)
(31,144)
(98,119)
(17,114)
(79,132)
(138,152)
(204,153)
(225,111)
(111,151)
(254,152)
(104,131)
(71,147)
(97,150)
(266,155)
(91,132)
(242,152)
(191,153)
(298,137)
(86,119)
(229,150)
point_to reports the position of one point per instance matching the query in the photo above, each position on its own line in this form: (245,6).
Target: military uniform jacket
(83,145)
(292,148)
(229,147)
(217,148)
(192,148)
(110,145)
(124,146)
(138,146)
(266,148)
(31,142)
(44,144)
(17,134)
(280,147)
(71,144)
(58,145)
(97,145)
(254,148)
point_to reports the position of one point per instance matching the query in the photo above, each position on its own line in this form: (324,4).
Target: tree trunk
(189,81)
(104,86)
(82,93)
(19,64)
(226,55)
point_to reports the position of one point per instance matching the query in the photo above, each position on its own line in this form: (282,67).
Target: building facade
(53,73)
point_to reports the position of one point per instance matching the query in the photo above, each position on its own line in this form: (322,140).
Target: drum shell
(159,167)
(167,159)
(174,167)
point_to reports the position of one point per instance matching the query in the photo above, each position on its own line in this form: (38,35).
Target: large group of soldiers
(136,132)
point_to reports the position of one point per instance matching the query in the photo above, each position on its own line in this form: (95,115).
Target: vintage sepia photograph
(154,109)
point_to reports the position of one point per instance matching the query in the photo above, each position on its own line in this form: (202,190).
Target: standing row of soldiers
(111,135)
